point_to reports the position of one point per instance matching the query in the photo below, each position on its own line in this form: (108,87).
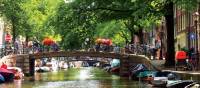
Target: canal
(75,78)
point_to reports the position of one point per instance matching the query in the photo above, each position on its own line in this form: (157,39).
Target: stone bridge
(27,61)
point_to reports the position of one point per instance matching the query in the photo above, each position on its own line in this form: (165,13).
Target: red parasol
(104,41)
(48,41)
(98,41)
(107,42)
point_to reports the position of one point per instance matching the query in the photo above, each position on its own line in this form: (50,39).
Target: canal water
(75,78)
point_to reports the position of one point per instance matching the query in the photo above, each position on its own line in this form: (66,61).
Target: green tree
(136,10)
(115,30)
(73,26)
(29,17)
(12,11)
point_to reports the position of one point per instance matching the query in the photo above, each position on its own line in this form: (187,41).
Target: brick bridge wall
(26,61)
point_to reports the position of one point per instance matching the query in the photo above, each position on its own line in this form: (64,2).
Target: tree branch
(109,9)
(123,35)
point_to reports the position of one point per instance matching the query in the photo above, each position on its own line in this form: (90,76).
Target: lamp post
(196,15)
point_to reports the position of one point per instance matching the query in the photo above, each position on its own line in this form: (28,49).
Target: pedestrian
(97,47)
(191,53)
(16,46)
(192,57)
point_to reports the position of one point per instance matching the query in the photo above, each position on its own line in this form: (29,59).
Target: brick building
(186,31)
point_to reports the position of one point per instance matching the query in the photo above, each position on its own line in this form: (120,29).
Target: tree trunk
(141,36)
(169,16)
(26,40)
(132,37)
(123,35)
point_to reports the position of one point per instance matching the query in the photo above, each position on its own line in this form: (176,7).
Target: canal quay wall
(27,61)
(21,61)
(187,75)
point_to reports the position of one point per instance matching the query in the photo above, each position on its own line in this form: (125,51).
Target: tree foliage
(75,20)
(28,17)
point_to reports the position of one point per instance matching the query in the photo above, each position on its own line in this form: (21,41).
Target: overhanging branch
(109,9)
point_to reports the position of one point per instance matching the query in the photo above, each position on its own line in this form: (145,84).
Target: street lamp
(196,17)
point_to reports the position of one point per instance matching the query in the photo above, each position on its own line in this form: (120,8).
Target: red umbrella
(108,42)
(104,41)
(48,41)
(98,41)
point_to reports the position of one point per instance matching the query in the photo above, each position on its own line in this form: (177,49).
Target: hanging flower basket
(104,41)
(48,41)
(98,41)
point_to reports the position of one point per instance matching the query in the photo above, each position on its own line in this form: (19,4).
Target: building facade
(2,32)
(186,30)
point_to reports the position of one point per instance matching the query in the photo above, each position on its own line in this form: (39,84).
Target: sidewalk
(160,65)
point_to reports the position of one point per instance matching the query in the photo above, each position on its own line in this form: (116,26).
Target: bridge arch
(27,61)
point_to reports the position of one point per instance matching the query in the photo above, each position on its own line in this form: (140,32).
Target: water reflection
(74,78)
(14,84)
(84,74)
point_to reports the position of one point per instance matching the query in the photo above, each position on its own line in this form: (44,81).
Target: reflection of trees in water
(14,84)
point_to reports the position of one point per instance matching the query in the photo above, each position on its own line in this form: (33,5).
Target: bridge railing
(139,49)
(22,49)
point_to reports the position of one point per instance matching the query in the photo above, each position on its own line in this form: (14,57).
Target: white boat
(42,69)
(18,74)
(179,84)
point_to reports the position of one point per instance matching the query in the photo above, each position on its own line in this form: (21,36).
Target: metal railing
(22,49)
(139,49)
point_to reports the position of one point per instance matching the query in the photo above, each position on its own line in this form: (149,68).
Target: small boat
(136,69)
(18,74)
(179,84)
(2,79)
(115,69)
(161,79)
(8,75)
(146,75)
(42,69)
(193,85)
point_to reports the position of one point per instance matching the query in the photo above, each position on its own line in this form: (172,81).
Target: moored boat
(193,85)
(115,69)
(8,75)
(42,69)
(135,71)
(18,74)
(179,84)
(2,79)
(146,75)
(162,79)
